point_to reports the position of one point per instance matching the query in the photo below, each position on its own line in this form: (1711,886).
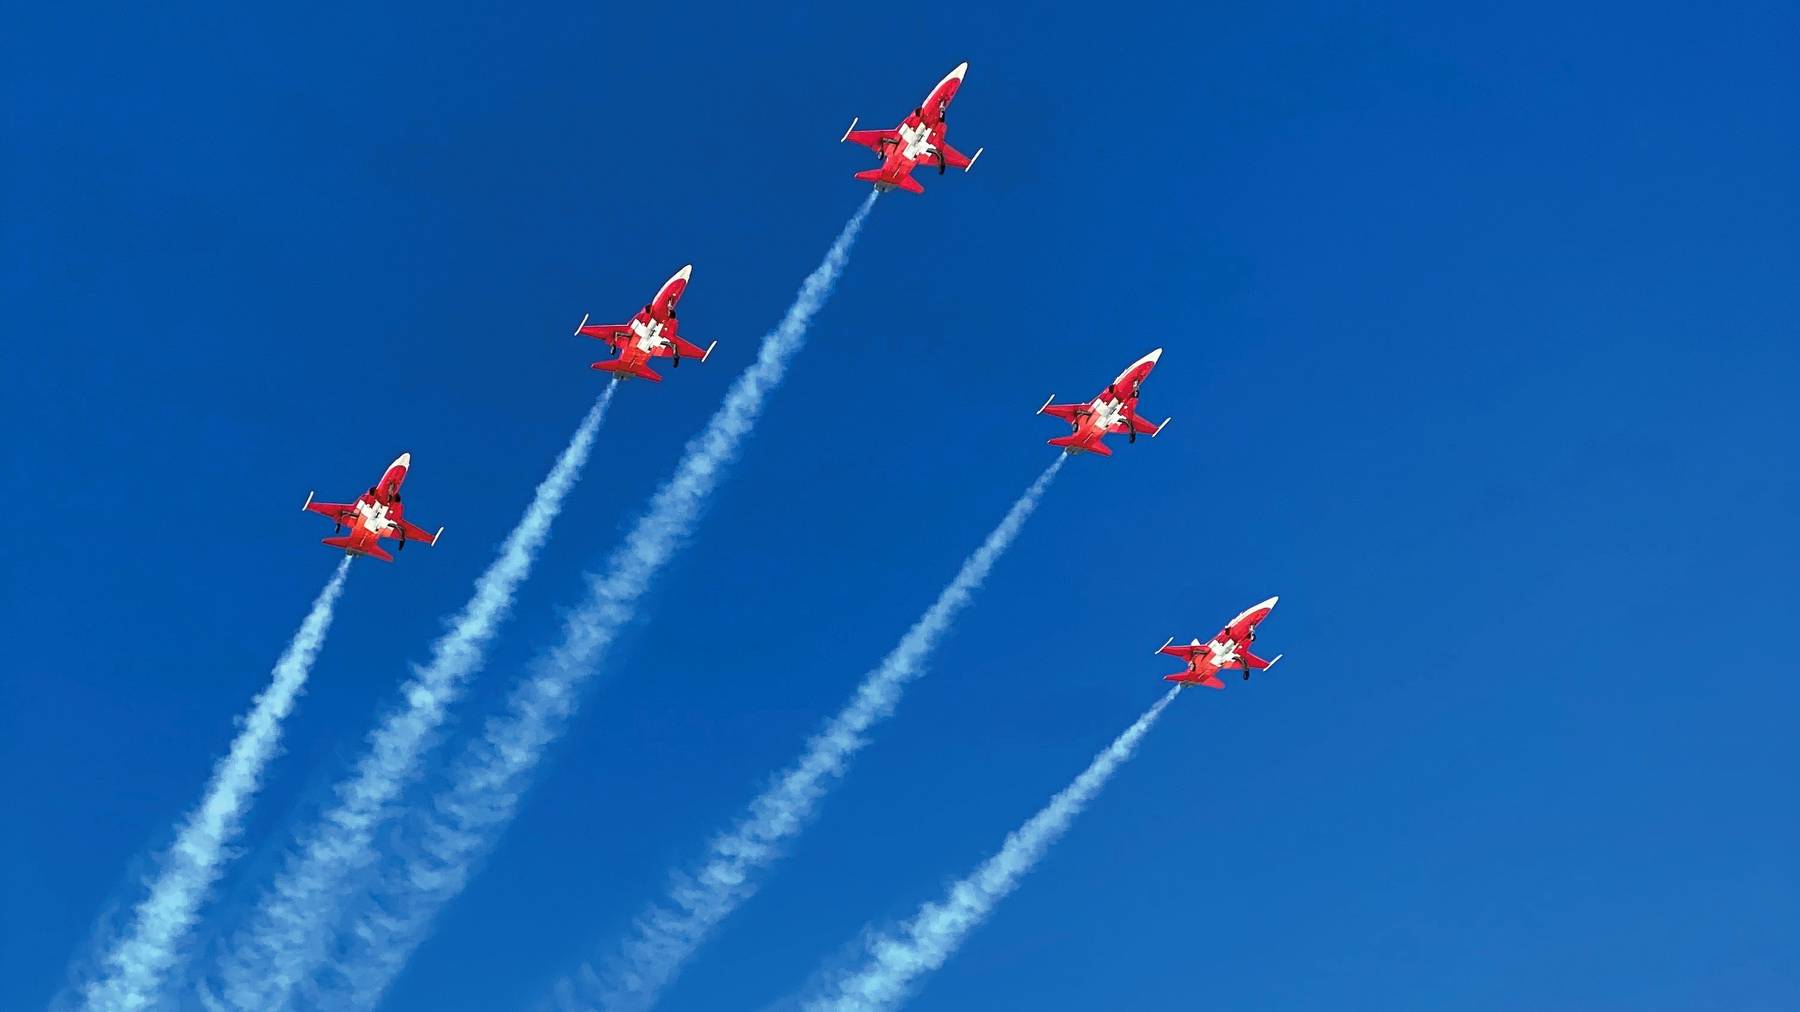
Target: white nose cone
(1253,609)
(954,75)
(684,273)
(404,460)
(1147,360)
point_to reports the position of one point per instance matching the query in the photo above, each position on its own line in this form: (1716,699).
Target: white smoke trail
(930,938)
(664,937)
(489,779)
(135,970)
(290,931)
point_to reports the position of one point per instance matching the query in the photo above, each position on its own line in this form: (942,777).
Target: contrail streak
(487,782)
(930,938)
(665,936)
(289,933)
(135,970)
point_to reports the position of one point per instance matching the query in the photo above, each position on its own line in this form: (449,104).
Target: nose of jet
(684,273)
(404,460)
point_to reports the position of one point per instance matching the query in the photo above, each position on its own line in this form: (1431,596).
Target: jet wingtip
(1165,645)
(583,323)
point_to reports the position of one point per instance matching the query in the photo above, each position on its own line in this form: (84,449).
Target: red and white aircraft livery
(1115,410)
(918,140)
(373,516)
(650,334)
(1229,649)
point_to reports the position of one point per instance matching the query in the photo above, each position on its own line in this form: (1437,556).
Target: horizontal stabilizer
(344,544)
(618,368)
(907,182)
(1073,444)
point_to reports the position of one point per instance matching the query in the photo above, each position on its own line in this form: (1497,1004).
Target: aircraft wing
(877,141)
(338,511)
(1066,412)
(412,532)
(614,334)
(1246,659)
(956,159)
(686,349)
(1184,652)
(1144,425)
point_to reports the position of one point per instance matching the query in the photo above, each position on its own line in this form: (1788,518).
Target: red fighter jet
(1229,649)
(1115,410)
(918,140)
(373,516)
(649,334)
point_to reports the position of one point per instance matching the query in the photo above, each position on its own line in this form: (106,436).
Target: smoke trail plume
(290,931)
(930,938)
(664,937)
(489,779)
(135,969)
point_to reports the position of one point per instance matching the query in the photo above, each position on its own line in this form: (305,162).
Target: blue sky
(1481,347)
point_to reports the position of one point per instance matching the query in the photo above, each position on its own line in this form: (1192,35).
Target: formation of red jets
(920,139)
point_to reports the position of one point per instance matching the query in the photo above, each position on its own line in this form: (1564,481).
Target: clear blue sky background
(1482,352)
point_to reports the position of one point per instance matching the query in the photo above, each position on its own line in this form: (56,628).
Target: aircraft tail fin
(619,368)
(344,544)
